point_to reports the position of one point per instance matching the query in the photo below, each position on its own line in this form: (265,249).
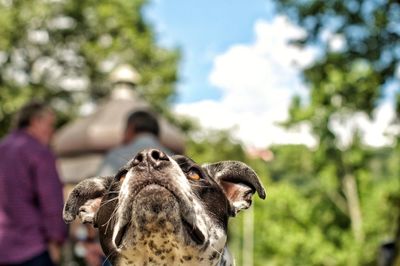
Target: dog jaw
(160,221)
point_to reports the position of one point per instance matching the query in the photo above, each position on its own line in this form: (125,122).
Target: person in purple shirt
(31,199)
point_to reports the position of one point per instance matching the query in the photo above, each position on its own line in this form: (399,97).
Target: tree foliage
(345,81)
(370,31)
(63,51)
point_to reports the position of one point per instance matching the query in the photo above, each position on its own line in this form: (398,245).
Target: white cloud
(336,42)
(376,132)
(257,81)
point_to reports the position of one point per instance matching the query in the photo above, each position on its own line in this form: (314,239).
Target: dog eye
(194,174)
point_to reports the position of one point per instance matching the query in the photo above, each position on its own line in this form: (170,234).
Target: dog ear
(84,200)
(238,181)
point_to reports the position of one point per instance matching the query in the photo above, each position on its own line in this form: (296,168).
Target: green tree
(345,81)
(63,51)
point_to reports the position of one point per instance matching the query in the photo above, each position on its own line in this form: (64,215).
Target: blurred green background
(327,205)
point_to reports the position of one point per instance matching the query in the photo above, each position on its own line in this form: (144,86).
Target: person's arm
(51,201)
(55,251)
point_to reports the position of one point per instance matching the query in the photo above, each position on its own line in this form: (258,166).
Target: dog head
(164,210)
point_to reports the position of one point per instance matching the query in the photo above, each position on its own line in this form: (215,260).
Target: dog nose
(152,156)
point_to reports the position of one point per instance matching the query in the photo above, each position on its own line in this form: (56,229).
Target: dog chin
(157,214)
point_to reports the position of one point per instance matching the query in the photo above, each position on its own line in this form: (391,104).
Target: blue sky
(239,72)
(203,29)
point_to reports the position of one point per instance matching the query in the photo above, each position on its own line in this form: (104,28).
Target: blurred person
(141,132)
(31,197)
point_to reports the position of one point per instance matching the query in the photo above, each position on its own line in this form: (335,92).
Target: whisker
(106,259)
(108,201)
(112,192)
(111,217)
(195,185)
(219,253)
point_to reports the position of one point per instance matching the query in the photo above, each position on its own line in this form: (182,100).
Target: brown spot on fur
(213,256)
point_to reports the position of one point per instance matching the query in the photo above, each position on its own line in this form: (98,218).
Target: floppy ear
(238,181)
(84,200)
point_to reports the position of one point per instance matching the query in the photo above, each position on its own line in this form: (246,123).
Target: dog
(162,210)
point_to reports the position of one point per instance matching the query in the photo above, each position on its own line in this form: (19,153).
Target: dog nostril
(151,155)
(158,155)
(138,159)
(155,155)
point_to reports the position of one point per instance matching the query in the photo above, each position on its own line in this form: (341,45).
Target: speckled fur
(161,236)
